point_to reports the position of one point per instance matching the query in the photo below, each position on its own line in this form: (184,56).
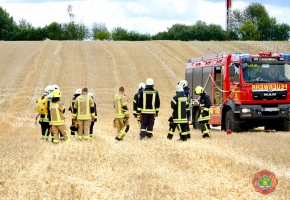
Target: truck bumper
(264,112)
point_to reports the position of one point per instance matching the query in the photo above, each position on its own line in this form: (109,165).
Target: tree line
(252,23)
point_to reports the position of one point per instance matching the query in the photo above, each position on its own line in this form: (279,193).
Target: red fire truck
(246,90)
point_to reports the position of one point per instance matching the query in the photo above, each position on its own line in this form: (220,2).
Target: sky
(143,16)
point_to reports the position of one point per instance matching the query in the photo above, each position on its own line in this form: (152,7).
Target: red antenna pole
(229,6)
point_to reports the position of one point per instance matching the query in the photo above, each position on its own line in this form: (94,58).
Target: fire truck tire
(232,122)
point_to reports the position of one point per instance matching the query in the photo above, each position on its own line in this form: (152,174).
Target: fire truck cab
(246,90)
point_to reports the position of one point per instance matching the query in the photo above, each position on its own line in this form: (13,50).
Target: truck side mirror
(232,70)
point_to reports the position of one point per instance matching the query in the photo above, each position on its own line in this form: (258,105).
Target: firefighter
(96,115)
(148,108)
(204,114)
(121,114)
(84,113)
(141,86)
(186,89)
(44,119)
(72,103)
(57,119)
(179,104)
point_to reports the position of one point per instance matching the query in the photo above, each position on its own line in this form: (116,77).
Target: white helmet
(78,91)
(183,83)
(91,94)
(149,81)
(142,85)
(47,89)
(55,87)
(178,88)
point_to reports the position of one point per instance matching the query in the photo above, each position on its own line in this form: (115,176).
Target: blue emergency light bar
(241,56)
(284,55)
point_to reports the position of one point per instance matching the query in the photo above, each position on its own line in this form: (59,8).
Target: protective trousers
(147,125)
(204,128)
(72,132)
(84,129)
(122,127)
(182,130)
(60,129)
(45,129)
(92,129)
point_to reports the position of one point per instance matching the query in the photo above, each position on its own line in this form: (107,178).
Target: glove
(169,136)
(135,115)
(95,120)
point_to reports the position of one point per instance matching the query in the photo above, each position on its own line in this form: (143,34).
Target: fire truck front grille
(269,95)
(270,113)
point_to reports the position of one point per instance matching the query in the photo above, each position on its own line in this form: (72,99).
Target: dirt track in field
(218,168)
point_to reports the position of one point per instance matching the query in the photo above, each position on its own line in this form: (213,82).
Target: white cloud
(276,12)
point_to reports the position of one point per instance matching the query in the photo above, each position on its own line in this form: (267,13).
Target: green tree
(100,31)
(119,33)
(249,31)
(282,32)
(54,31)
(7,25)
(75,31)
(254,12)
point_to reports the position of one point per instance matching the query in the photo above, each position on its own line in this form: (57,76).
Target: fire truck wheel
(284,125)
(232,122)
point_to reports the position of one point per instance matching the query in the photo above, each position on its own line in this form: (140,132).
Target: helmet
(199,90)
(55,87)
(91,94)
(183,83)
(142,85)
(78,91)
(56,93)
(47,89)
(149,81)
(178,88)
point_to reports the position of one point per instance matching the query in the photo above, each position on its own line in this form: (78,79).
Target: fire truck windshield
(266,72)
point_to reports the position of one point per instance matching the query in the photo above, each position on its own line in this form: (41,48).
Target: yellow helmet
(56,93)
(199,90)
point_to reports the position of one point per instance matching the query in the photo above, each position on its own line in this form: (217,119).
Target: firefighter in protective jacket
(148,108)
(44,118)
(57,119)
(121,114)
(204,114)
(84,113)
(71,107)
(179,104)
(186,89)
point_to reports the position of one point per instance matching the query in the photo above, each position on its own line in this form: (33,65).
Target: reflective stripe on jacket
(56,113)
(179,104)
(84,107)
(120,105)
(149,101)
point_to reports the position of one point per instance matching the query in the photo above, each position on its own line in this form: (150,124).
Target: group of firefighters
(84,115)
(146,106)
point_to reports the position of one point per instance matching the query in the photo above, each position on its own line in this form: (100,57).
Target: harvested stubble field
(218,168)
